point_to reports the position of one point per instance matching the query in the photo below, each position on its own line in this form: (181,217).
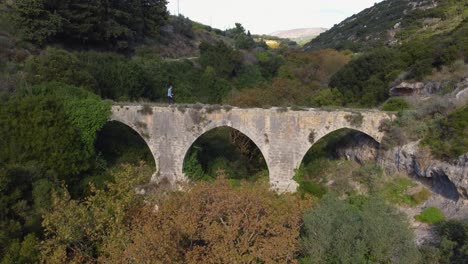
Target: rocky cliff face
(447,179)
(450,180)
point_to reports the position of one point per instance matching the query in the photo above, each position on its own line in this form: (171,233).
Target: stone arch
(370,134)
(323,135)
(142,136)
(209,128)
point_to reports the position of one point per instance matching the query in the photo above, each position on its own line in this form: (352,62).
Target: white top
(169,91)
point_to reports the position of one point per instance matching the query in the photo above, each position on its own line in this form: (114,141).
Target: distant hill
(393,22)
(300,35)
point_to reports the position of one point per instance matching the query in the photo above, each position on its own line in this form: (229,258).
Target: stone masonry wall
(282,135)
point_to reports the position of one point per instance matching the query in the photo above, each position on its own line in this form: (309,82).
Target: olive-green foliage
(430,215)
(448,137)
(34,21)
(224,60)
(269,63)
(242,39)
(18,214)
(364,81)
(22,252)
(48,135)
(43,133)
(79,230)
(364,230)
(395,104)
(308,186)
(327,97)
(106,23)
(57,65)
(417,124)
(115,77)
(85,111)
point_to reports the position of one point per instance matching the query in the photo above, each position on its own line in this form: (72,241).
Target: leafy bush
(395,104)
(364,81)
(83,230)
(58,65)
(448,137)
(55,126)
(359,231)
(430,215)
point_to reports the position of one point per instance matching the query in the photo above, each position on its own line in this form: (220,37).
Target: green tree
(82,231)
(102,22)
(363,230)
(226,61)
(34,21)
(448,136)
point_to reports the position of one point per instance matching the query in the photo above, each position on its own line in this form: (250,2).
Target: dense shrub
(365,80)
(448,137)
(53,128)
(225,60)
(430,215)
(360,231)
(83,230)
(395,104)
(58,65)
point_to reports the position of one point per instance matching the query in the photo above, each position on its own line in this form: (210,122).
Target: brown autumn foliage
(217,223)
(281,92)
(314,66)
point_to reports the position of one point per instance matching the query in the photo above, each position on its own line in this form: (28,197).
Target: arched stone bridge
(283,136)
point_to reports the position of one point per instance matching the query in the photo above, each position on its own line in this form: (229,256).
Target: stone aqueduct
(283,136)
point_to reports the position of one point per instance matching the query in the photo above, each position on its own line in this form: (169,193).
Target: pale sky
(263,16)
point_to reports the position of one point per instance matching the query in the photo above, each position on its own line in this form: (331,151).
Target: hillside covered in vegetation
(76,188)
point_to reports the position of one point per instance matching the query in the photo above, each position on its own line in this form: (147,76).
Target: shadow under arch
(120,143)
(341,139)
(220,144)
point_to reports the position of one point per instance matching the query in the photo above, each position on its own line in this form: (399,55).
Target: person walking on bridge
(170,95)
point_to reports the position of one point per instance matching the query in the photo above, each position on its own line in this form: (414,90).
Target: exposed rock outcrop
(359,148)
(430,88)
(450,180)
(447,179)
